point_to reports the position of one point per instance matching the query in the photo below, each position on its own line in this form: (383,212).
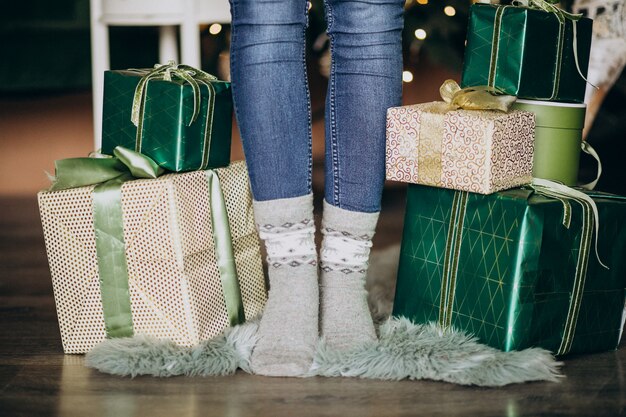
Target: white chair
(167,14)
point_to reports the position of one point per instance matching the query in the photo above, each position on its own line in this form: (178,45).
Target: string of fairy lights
(423,18)
(421,33)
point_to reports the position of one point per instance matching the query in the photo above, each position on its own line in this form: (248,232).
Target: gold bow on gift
(475,98)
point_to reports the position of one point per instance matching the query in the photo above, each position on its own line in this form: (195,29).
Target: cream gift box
(481,151)
(174,282)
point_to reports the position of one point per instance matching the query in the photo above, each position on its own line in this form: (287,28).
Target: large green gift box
(527,53)
(504,268)
(167,131)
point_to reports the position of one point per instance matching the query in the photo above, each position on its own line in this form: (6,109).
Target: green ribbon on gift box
(195,78)
(562,16)
(549,189)
(108,174)
(549,6)
(589,223)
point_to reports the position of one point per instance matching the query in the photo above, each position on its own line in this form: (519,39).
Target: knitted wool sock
(288,331)
(345,317)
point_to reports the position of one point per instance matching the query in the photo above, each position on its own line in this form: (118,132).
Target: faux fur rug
(405,350)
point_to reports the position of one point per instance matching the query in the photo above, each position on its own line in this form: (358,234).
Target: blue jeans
(272,101)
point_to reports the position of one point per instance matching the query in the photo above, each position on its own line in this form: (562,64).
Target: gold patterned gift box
(481,151)
(174,280)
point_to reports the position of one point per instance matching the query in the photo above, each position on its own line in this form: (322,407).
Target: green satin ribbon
(195,78)
(549,6)
(589,223)
(80,172)
(588,149)
(475,98)
(224,252)
(108,174)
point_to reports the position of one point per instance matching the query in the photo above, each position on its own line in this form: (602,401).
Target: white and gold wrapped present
(174,282)
(467,148)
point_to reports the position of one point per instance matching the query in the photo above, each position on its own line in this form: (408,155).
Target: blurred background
(46,96)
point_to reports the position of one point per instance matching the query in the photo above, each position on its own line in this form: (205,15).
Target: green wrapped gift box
(167,130)
(527,53)
(504,268)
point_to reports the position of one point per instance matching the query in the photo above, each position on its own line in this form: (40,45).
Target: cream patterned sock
(345,317)
(288,331)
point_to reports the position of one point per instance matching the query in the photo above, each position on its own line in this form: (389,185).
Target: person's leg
(365,80)
(272,107)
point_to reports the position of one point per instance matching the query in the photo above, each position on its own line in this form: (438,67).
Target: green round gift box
(558,137)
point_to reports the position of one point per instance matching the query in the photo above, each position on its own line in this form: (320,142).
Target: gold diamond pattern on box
(174,283)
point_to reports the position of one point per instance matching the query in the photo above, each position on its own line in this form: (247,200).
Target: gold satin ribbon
(431,131)
(475,98)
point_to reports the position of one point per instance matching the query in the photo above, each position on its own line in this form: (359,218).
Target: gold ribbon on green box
(108,174)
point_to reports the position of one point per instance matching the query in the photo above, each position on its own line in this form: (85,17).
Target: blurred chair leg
(190,43)
(99,63)
(168,44)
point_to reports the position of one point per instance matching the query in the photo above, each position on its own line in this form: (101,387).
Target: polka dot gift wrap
(174,282)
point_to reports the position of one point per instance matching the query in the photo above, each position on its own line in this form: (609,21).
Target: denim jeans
(272,101)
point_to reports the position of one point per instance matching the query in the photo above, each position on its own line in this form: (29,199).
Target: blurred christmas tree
(433,29)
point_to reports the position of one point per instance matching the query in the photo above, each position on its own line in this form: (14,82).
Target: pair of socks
(300,308)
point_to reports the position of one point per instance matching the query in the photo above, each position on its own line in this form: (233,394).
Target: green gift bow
(108,174)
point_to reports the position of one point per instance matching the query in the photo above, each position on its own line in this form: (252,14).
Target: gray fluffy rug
(405,350)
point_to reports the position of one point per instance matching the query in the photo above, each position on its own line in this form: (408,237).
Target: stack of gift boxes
(489,246)
(155,235)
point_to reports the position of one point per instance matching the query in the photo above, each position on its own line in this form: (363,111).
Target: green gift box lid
(558,138)
(527,53)
(554,114)
(504,268)
(168,135)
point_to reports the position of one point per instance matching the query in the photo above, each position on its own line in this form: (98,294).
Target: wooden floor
(36,379)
